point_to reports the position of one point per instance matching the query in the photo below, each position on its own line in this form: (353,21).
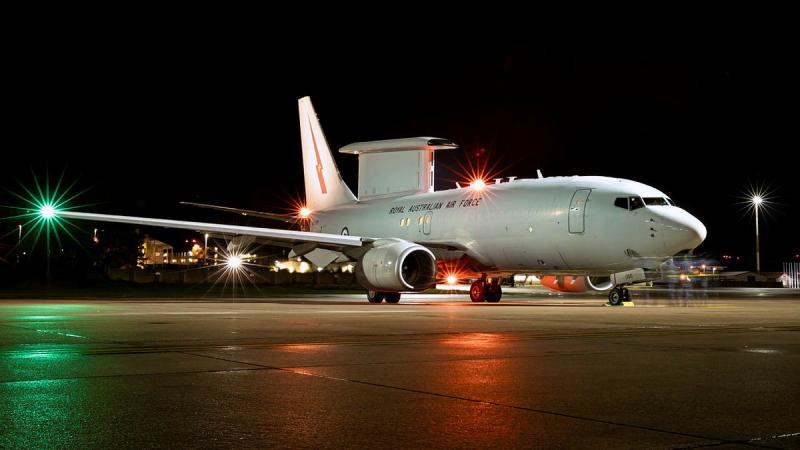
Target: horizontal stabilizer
(245,212)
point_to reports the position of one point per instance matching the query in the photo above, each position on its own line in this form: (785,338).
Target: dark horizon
(148,122)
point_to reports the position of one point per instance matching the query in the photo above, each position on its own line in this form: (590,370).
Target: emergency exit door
(577,211)
(426,223)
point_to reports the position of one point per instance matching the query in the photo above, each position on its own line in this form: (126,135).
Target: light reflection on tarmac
(679,369)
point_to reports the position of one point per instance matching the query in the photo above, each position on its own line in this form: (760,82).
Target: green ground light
(40,211)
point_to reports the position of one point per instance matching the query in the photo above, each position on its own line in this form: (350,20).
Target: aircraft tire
(375,296)
(615,297)
(493,293)
(392,297)
(477,292)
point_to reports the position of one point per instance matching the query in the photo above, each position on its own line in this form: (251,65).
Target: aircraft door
(577,211)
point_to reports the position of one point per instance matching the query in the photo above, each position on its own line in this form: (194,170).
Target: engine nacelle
(396,265)
(576,283)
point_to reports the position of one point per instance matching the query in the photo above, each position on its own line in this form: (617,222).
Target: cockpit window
(671,202)
(630,203)
(656,201)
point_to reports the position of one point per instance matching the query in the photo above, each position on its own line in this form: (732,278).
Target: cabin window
(427,220)
(419,221)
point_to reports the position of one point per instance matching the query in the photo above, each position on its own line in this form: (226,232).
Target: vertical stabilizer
(324,185)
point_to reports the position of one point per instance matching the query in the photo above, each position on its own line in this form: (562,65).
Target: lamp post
(757,200)
(205,250)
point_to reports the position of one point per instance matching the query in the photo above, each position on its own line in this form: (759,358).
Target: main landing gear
(377,297)
(486,289)
(618,295)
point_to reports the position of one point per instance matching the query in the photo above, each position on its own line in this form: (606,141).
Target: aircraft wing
(323,240)
(244,212)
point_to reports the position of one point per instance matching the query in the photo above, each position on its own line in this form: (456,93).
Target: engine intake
(396,265)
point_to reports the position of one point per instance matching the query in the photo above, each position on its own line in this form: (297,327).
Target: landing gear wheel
(615,297)
(493,292)
(626,295)
(392,297)
(375,296)
(477,292)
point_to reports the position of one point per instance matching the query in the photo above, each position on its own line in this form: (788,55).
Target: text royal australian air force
(465,203)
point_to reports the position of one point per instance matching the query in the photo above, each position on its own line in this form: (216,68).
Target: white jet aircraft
(578,233)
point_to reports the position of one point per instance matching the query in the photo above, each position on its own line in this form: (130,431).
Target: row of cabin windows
(635,202)
(405,221)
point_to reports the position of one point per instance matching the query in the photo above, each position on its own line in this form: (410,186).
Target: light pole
(757,200)
(205,250)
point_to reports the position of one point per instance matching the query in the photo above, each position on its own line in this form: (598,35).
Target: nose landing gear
(486,289)
(621,279)
(618,295)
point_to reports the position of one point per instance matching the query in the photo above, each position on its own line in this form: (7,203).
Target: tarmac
(683,369)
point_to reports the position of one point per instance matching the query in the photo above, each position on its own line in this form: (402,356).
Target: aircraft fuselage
(557,225)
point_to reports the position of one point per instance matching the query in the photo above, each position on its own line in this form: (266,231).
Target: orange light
(476,172)
(450,272)
(298,214)
(478,184)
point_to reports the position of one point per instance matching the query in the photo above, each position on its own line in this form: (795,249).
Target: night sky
(148,119)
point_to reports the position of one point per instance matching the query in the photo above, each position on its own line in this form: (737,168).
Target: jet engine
(396,265)
(576,283)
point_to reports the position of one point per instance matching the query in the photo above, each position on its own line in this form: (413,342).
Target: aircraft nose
(696,230)
(682,231)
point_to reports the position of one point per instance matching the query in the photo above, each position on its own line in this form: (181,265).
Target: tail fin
(324,185)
